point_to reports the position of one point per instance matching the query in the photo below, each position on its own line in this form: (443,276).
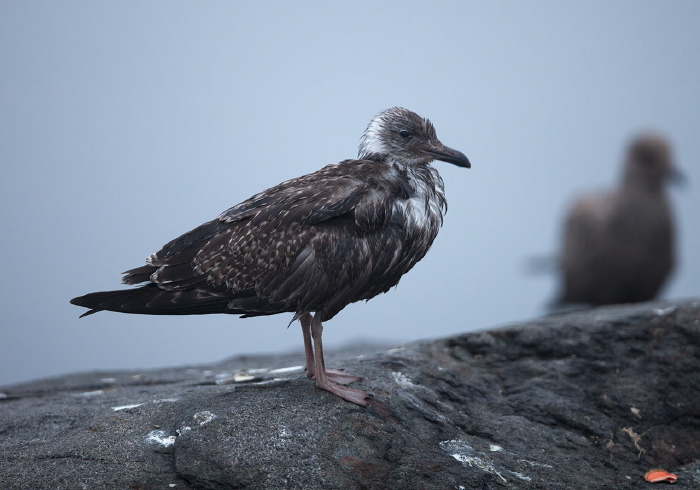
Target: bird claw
(337,376)
(340,377)
(353,396)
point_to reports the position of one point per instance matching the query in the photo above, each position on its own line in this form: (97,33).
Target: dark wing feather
(588,237)
(280,250)
(295,247)
(190,240)
(139,274)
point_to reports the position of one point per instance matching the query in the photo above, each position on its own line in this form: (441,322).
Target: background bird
(309,246)
(618,247)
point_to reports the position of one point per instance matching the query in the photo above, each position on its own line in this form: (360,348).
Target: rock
(589,399)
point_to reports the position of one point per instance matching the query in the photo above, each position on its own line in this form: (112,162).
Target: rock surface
(588,399)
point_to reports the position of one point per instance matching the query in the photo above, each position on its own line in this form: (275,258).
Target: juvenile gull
(618,247)
(309,246)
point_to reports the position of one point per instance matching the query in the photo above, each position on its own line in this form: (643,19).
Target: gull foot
(353,396)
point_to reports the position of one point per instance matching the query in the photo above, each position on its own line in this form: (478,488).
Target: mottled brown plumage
(618,247)
(313,244)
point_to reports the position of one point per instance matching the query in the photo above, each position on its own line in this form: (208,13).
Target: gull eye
(405,133)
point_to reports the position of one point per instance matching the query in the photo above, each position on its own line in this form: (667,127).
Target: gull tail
(152,300)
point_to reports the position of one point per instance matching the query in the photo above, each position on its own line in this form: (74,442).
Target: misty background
(125,124)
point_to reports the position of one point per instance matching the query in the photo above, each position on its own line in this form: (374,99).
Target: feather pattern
(318,242)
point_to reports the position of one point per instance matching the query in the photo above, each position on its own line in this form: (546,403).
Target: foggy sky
(124,125)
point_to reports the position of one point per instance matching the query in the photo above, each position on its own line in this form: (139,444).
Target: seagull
(618,247)
(308,246)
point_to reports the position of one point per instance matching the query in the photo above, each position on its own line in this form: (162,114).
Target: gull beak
(677,178)
(447,154)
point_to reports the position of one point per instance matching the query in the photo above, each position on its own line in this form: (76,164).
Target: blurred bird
(618,247)
(309,246)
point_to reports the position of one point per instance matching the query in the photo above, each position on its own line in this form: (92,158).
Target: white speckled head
(387,133)
(402,136)
(372,142)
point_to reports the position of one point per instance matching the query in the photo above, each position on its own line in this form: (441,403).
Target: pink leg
(325,380)
(305,321)
(336,375)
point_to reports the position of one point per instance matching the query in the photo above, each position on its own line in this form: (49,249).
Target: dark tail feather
(151,300)
(90,312)
(139,275)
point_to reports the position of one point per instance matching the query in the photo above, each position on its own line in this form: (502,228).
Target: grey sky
(124,124)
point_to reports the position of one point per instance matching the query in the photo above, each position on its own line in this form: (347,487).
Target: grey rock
(590,399)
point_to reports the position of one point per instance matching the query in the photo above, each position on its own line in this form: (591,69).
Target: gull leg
(325,380)
(336,375)
(305,321)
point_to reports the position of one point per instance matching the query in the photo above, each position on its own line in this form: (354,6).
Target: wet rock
(589,399)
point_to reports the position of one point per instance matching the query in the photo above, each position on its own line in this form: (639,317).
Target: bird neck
(638,182)
(418,180)
(423,182)
(374,157)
